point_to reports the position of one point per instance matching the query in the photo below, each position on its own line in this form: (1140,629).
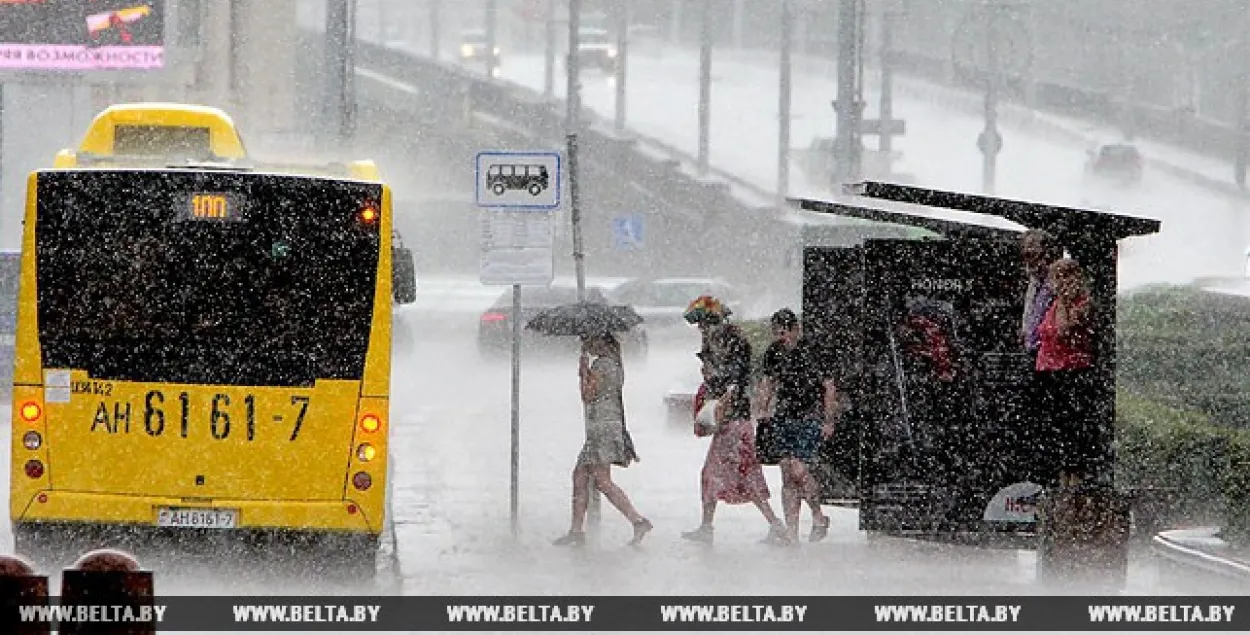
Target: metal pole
(674,25)
(516,409)
(739,15)
(381,20)
(784,103)
(847,105)
(573,125)
(349,73)
(989,150)
(885,140)
(492,44)
(705,85)
(1241,106)
(622,54)
(573,101)
(436,28)
(549,57)
(336,68)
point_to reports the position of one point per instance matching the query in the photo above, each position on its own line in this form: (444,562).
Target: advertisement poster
(951,371)
(82,35)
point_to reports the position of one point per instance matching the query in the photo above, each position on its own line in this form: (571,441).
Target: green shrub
(1188,349)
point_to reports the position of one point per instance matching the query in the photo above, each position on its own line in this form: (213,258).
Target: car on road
(662,301)
(1115,162)
(474,49)
(494,334)
(596,48)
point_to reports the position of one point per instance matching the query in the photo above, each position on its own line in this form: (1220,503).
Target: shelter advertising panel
(953,368)
(82,35)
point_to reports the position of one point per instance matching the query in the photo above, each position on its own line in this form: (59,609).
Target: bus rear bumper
(250,516)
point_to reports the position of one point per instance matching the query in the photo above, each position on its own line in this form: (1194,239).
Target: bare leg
(709,511)
(766,508)
(810,490)
(790,502)
(581,498)
(614,493)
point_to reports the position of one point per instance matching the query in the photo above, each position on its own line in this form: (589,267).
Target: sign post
(520,192)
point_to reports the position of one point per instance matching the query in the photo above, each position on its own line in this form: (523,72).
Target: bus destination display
(212,206)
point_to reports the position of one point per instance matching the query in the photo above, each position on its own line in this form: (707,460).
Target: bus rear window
(272,283)
(179,141)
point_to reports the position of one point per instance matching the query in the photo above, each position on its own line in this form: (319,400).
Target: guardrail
(645,161)
(1177,126)
(1175,549)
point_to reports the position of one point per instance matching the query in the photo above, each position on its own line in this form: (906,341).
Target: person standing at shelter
(803,401)
(1039,250)
(608,441)
(1065,362)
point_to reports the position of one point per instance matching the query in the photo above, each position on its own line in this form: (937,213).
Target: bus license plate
(197,518)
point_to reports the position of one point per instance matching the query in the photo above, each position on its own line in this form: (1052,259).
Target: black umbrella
(585,318)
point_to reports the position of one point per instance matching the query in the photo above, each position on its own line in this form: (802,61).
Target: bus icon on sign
(518,180)
(529,177)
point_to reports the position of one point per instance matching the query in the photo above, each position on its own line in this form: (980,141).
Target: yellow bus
(200,348)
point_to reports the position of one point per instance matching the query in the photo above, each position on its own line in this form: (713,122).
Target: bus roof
(224,139)
(225,148)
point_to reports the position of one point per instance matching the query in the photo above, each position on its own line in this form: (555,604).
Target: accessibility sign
(627,232)
(518,180)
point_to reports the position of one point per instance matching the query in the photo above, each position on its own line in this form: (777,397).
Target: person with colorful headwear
(706,312)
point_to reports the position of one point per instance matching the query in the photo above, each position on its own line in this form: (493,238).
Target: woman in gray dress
(607,440)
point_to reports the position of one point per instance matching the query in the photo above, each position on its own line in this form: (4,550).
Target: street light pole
(492,44)
(705,86)
(549,56)
(991,142)
(573,101)
(885,140)
(849,109)
(436,28)
(784,103)
(573,125)
(622,55)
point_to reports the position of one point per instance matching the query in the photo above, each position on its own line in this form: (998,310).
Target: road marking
(389,81)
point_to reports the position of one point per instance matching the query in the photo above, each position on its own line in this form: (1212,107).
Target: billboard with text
(82,35)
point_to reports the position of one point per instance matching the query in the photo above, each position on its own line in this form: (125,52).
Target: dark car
(474,49)
(1119,162)
(494,334)
(10,274)
(596,49)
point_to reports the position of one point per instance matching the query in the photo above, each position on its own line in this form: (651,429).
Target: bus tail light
(361,481)
(31,411)
(366,452)
(370,423)
(34,469)
(31,440)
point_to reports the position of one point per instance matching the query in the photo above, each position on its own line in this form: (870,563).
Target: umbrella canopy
(585,318)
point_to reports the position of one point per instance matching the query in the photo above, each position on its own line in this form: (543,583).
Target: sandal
(819,530)
(641,529)
(704,534)
(571,539)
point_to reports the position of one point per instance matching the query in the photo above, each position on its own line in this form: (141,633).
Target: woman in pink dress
(732,474)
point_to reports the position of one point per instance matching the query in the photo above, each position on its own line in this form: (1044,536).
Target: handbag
(766,450)
(705,420)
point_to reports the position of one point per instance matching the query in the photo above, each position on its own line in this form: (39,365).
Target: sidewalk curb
(1174,547)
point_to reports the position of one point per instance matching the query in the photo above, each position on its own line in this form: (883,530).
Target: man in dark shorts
(803,401)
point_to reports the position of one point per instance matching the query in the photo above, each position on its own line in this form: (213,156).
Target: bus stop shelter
(937,443)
